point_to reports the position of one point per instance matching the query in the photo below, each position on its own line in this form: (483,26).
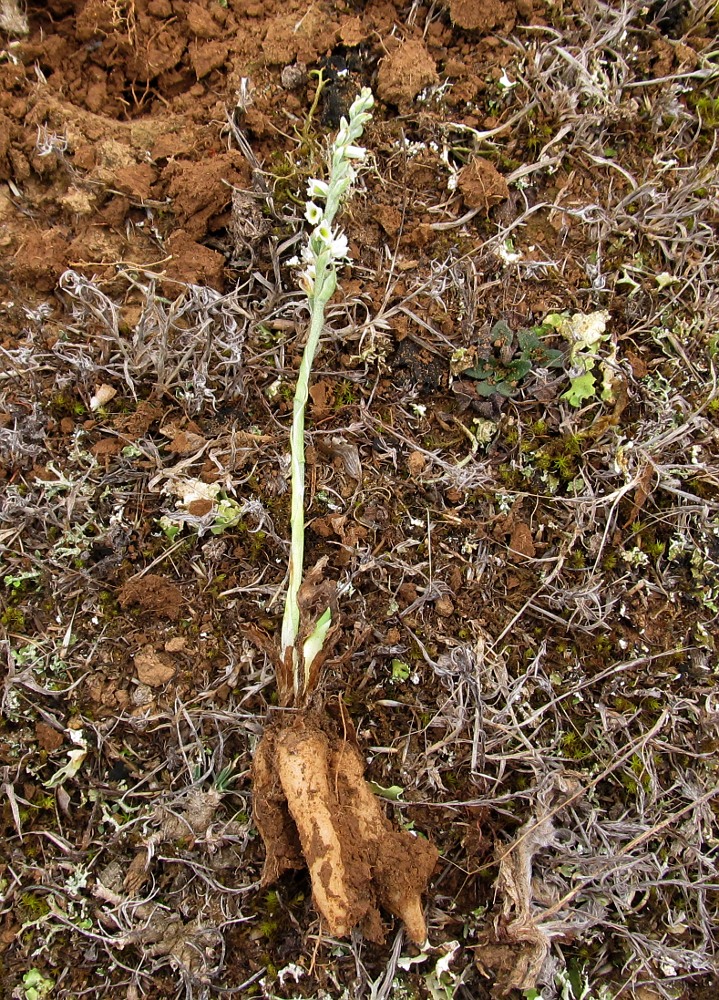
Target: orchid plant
(325,248)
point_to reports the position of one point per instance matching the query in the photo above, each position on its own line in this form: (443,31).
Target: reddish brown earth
(503,637)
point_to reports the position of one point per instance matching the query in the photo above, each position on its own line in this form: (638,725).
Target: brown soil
(404,72)
(152,593)
(482,185)
(523,590)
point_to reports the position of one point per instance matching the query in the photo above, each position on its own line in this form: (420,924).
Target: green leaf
(528,340)
(554,358)
(481,371)
(582,387)
(400,670)
(35,985)
(316,640)
(518,368)
(555,320)
(394,793)
(665,279)
(501,334)
(486,389)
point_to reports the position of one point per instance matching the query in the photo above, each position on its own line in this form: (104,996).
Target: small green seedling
(393,793)
(516,358)
(35,986)
(18,581)
(400,671)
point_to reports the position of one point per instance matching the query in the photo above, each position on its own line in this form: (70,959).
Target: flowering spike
(318,279)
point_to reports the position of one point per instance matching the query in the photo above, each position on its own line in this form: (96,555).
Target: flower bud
(317,188)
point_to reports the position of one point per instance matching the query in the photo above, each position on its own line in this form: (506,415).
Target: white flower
(293,261)
(317,188)
(313,213)
(336,243)
(307,280)
(339,246)
(355,152)
(323,232)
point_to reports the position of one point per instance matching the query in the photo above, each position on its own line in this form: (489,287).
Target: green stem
(291,617)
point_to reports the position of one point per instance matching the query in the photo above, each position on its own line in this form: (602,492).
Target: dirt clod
(153,669)
(481,184)
(478,15)
(405,72)
(47,737)
(521,542)
(152,592)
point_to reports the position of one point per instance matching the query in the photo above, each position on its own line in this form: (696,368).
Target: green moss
(13,620)
(654,549)
(573,746)
(638,768)
(629,783)
(610,560)
(603,645)
(509,476)
(623,705)
(565,467)
(65,404)
(708,110)
(33,906)
(256,544)
(345,394)
(543,461)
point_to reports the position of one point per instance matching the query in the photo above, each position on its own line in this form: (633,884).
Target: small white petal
(355,152)
(323,232)
(313,213)
(339,246)
(317,188)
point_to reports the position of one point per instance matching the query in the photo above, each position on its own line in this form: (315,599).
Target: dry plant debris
(528,580)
